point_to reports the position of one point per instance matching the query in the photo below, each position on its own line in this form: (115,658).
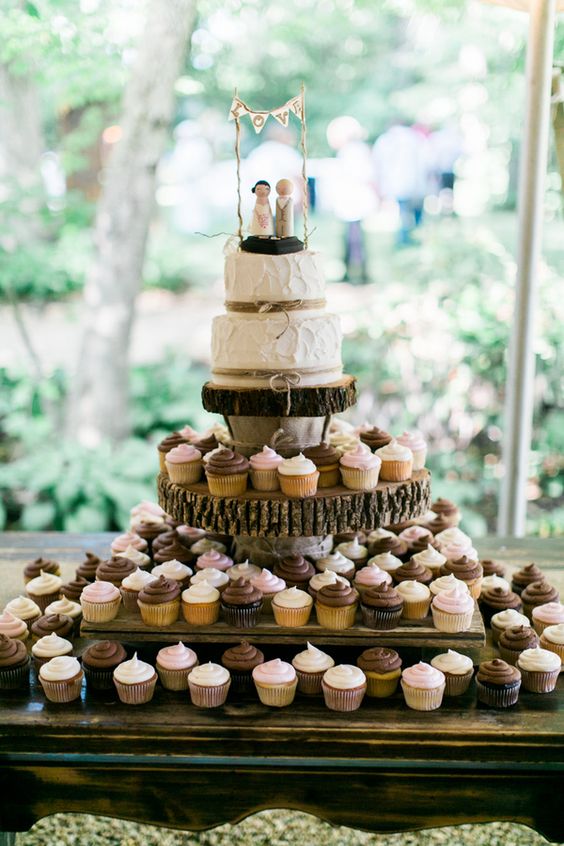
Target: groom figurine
(284,209)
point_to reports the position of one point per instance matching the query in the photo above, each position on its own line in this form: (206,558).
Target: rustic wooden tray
(272,514)
(130,628)
(313,401)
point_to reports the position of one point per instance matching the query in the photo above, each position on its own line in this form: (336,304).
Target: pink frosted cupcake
(13,626)
(397,462)
(173,665)
(418,446)
(452,610)
(552,638)
(269,585)
(100,602)
(455,551)
(343,686)
(360,468)
(25,609)
(276,682)
(550,614)
(264,469)
(122,542)
(415,534)
(370,576)
(135,681)
(209,685)
(423,687)
(214,558)
(452,535)
(184,464)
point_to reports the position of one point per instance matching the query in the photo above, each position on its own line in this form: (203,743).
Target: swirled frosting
(207,443)
(100,592)
(13,653)
(104,655)
(509,617)
(361,458)
(415,533)
(267,582)
(353,550)
(382,596)
(59,624)
(551,613)
(293,598)
(188,433)
(274,672)
(137,580)
(159,591)
(390,543)
(209,675)
(414,591)
(385,561)
(539,593)
(60,668)
(266,459)
(312,660)
(449,582)
(497,672)
(371,575)
(344,677)
(176,657)
(452,535)
(517,638)
(373,437)
(73,589)
(414,572)
(492,582)
(133,671)
(200,547)
(87,569)
(12,626)
(214,558)
(377,534)
(147,507)
(327,577)
(337,562)
(322,455)
(430,558)
(34,568)
(172,570)
(455,551)
(464,568)
(526,575)
(64,606)
(200,593)
(498,598)
(183,454)
(337,595)
(51,645)
(225,462)
(539,660)
(115,570)
(452,662)
(241,592)
(122,542)
(242,658)
(24,608)
(413,441)
(44,584)
(394,451)
(173,551)
(299,465)
(294,568)
(134,555)
(554,634)
(423,676)
(455,601)
(216,578)
(445,507)
(379,659)
(245,570)
(492,568)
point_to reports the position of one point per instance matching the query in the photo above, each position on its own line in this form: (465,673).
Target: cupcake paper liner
(174,679)
(422,699)
(265,480)
(310,683)
(539,626)
(299,486)
(452,623)
(138,693)
(337,699)
(129,599)
(185,474)
(498,697)
(360,480)
(164,614)
(337,619)
(45,599)
(99,679)
(201,614)
(242,617)
(396,471)
(557,648)
(277,696)
(291,617)
(329,476)
(63,691)
(14,678)
(457,683)
(380,686)
(232,485)
(381,619)
(537,682)
(100,612)
(417,610)
(211,696)
(509,655)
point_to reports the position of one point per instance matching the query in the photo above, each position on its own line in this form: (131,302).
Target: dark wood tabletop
(382,768)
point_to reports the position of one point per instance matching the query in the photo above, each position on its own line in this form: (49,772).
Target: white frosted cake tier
(259,345)
(253,277)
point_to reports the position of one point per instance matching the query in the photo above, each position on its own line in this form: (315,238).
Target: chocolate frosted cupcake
(468,571)
(49,623)
(14,664)
(74,588)
(99,662)
(159,602)
(382,668)
(175,550)
(344,537)
(168,443)
(493,600)
(447,509)
(295,570)
(525,576)
(115,570)
(514,640)
(87,570)
(34,569)
(492,568)
(381,607)
(241,660)
(227,473)
(423,544)
(412,571)
(537,593)
(172,536)
(148,529)
(391,544)
(326,459)
(206,444)
(498,683)
(336,605)
(374,437)
(241,604)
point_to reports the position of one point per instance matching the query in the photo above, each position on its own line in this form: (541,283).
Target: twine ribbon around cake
(279,381)
(267,306)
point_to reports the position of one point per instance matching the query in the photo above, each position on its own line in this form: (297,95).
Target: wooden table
(383,768)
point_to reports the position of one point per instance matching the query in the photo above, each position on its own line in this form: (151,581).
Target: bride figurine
(261,221)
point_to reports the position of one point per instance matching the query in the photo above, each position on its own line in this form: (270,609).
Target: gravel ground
(269,828)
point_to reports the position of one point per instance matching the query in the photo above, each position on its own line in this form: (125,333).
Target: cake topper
(284,209)
(261,221)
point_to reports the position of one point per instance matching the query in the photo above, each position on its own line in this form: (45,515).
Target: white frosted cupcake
(416,599)
(457,669)
(414,534)
(386,562)
(343,441)
(344,687)
(552,639)
(370,576)
(184,464)
(418,446)
(67,607)
(506,620)
(397,462)
(354,551)
(131,585)
(50,646)
(298,476)
(320,580)
(492,582)
(377,535)
(203,545)
(44,589)
(292,607)
(549,614)
(216,578)
(61,679)
(269,585)
(452,610)
(209,685)
(539,669)
(140,559)
(200,604)
(449,582)
(173,665)
(454,551)
(430,558)
(175,570)
(264,469)
(453,535)
(100,602)
(360,468)
(310,665)
(337,562)
(423,687)
(245,570)
(24,609)
(135,681)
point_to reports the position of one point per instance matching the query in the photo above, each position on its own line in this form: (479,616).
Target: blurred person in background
(353,196)
(445,149)
(402,168)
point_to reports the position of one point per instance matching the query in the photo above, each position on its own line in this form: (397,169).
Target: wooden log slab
(314,401)
(272,514)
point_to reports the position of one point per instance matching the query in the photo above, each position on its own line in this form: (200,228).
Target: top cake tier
(252,277)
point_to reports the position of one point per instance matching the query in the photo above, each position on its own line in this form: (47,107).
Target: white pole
(521,372)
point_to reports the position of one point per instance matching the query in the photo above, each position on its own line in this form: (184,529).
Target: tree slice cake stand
(272,514)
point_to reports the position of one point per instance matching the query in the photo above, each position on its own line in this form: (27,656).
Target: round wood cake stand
(272,514)
(313,401)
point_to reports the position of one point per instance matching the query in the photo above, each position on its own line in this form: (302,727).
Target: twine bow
(283,383)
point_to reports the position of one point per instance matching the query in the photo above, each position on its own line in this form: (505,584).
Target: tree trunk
(100,401)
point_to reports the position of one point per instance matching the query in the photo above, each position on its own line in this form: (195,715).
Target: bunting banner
(259,118)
